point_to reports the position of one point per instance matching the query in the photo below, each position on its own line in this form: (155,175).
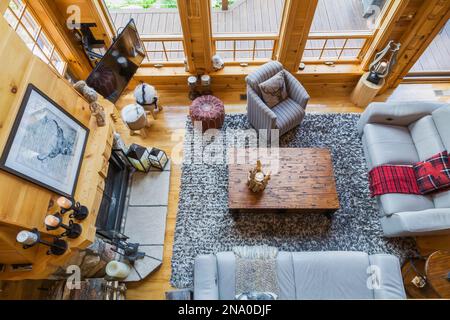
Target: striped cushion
(289,115)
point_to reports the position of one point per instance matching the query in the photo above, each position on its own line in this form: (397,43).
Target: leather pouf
(209,110)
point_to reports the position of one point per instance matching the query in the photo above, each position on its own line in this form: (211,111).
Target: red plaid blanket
(393,179)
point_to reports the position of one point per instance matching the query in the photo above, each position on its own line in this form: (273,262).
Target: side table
(437,269)
(365,91)
(434,270)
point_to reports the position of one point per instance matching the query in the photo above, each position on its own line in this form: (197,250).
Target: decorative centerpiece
(257,179)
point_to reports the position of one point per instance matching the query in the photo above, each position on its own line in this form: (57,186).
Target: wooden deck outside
(264,16)
(247,16)
(437,57)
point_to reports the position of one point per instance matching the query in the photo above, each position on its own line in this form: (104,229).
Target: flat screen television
(114,71)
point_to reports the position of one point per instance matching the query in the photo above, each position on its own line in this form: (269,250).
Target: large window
(342,29)
(22,20)
(246,30)
(436,59)
(158,23)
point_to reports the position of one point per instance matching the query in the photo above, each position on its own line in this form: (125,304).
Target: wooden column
(430,18)
(196,24)
(297,20)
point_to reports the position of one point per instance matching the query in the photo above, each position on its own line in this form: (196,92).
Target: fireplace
(110,214)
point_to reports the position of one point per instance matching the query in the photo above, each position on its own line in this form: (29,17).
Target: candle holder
(79,212)
(73,230)
(30,238)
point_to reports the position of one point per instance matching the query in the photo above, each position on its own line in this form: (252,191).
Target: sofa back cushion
(331,275)
(426,138)
(441,119)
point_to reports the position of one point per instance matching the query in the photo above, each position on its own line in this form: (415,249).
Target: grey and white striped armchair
(284,116)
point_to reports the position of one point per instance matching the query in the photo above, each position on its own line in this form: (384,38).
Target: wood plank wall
(24,205)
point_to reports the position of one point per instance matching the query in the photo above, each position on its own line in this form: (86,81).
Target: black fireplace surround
(110,214)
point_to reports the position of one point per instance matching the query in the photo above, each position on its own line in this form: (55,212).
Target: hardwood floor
(167,132)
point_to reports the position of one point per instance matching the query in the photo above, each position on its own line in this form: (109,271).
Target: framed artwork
(46,144)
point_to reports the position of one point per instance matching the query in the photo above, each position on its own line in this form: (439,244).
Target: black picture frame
(12,136)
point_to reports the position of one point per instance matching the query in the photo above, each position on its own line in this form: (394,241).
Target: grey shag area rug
(205,226)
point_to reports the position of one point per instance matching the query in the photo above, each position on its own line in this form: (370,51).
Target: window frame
(41,32)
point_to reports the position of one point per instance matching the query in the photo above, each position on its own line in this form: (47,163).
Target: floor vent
(442,93)
(243,96)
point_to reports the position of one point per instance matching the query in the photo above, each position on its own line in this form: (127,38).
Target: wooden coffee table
(304,183)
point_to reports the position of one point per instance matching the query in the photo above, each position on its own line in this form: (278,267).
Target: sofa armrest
(416,223)
(205,278)
(296,91)
(259,114)
(387,269)
(396,113)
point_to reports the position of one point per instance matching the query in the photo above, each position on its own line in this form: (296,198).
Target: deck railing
(164,48)
(245,47)
(336,47)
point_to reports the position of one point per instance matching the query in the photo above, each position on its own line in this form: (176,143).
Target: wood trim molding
(296,24)
(195,18)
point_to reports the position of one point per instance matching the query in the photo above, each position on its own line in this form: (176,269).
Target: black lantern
(139,157)
(120,149)
(158,158)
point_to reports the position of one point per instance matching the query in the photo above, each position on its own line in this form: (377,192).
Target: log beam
(297,20)
(197,33)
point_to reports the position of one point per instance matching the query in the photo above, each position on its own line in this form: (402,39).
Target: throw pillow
(433,174)
(274,90)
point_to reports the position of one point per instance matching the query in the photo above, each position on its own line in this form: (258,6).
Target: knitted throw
(256,269)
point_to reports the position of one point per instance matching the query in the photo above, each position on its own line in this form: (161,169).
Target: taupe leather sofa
(405,133)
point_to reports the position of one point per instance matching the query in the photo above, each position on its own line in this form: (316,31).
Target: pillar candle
(27,237)
(117,269)
(52,221)
(64,203)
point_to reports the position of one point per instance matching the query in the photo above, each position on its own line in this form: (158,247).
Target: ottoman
(209,110)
